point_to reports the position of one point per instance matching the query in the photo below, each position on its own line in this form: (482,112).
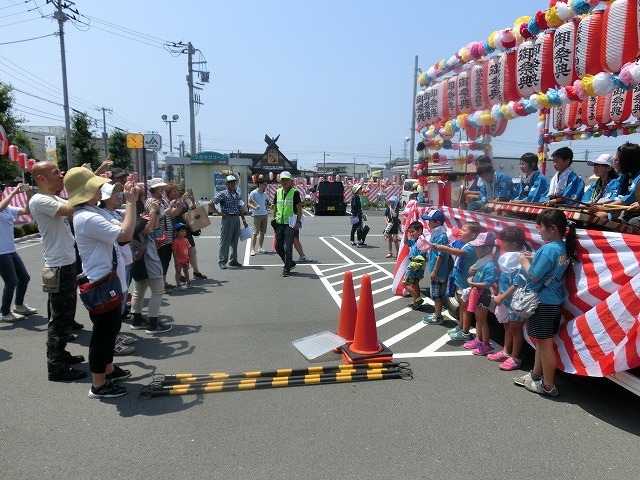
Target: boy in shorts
(415,270)
(438,266)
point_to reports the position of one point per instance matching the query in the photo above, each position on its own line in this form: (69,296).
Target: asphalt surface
(460,417)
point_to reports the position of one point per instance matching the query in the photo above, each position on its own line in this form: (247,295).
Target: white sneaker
(125,339)
(24,310)
(12,317)
(122,349)
(261,250)
(304,258)
(253,253)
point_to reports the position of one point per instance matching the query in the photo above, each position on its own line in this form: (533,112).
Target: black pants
(103,339)
(284,244)
(165,253)
(61,310)
(355,227)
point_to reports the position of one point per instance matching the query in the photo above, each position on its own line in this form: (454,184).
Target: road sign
(135,140)
(153,141)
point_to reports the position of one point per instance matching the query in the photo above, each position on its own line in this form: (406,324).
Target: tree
(82,141)
(118,151)
(11,123)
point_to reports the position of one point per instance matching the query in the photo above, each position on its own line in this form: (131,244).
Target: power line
(29,39)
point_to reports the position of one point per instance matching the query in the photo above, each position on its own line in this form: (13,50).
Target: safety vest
(284,205)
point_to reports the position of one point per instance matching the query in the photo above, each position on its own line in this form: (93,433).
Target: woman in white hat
(605,188)
(96,238)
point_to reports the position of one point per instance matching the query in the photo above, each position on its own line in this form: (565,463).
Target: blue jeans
(16,279)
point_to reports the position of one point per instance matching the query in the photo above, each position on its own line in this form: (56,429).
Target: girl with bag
(97,239)
(392,217)
(545,271)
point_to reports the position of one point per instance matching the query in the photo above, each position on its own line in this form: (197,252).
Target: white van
(407,189)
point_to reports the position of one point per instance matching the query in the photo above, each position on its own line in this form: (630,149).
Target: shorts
(485,298)
(260,224)
(296,233)
(184,266)
(436,288)
(545,322)
(505,314)
(410,280)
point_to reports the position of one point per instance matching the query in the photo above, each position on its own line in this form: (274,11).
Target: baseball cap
(285,174)
(231,178)
(436,215)
(485,239)
(178,226)
(108,189)
(604,159)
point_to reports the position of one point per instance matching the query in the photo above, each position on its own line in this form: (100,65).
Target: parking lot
(460,417)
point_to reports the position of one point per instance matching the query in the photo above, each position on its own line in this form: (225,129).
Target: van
(329,199)
(407,189)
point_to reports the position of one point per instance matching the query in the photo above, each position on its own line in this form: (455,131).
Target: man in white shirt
(52,214)
(258,205)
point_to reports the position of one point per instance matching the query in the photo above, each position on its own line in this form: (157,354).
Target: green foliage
(84,150)
(118,151)
(18,232)
(30,228)
(11,123)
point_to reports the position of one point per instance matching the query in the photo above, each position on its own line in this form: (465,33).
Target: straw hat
(356,188)
(82,185)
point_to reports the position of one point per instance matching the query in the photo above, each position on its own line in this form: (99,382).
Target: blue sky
(331,76)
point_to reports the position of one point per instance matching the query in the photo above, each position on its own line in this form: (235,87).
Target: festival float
(574,66)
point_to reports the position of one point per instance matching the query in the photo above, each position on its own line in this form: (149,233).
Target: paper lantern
(557,115)
(589,111)
(564,46)
(451,98)
(493,78)
(603,109)
(472,132)
(30,163)
(588,38)
(4,141)
(496,129)
(13,153)
(337,178)
(573,116)
(478,88)
(620,105)
(443,104)
(22,161)
(312,181)
(508,73)
(524,68)
(635,101)
(271,176)
(543,62)
(278,178)
(619,43)
(430,102)
(463,92)
(254,178)
(419,105)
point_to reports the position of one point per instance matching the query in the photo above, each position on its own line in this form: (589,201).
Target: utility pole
(104,128)
(192,115)
(63,17)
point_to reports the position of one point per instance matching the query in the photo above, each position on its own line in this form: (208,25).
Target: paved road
(460,417)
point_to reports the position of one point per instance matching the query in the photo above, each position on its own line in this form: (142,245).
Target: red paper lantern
(564,46)
(463,92)
(588,41)
(30,163)
(443,104)
(635,101)
(525,68)
(420,106)
(431,103)
(590,111)
(557,117)
(4,141)
(508,72)
(573,116)
(13,153)
(493,77)
(619,35)
(620,105)
(543,62)
(451,99)
(22,161)
(603,109)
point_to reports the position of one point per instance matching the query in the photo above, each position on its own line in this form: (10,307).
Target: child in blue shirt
(438,266)
(415,270)
(484,276)
(465,257)
(545,271)
(513,242)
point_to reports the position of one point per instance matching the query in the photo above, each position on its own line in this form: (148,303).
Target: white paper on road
(318,344)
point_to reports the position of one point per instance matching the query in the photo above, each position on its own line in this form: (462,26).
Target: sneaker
(169,286)
(159,328)
(261,250)
(235,264)
(12,317)
(285,273)
(498,357)
(118,374)
(139,323)
(510,364)
(432,320)
(354,244)
(361,244)
(223,266)
(453,330)
(199,275)
(537,386)
(125,339)
(73,359)
(527,377)
(471,344)
(24,310)
(252,253)
(482,349)
(108,390)
(417,303)
(122,349)
(460,335)
(304,258)
(76,326)
(188,284)
(293,265)
(68,375)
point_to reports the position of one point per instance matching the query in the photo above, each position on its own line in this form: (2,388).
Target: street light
(169,122)
(324,158)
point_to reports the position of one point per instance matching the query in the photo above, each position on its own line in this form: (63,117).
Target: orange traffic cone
(365,346)
(348,309)
(273,244)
